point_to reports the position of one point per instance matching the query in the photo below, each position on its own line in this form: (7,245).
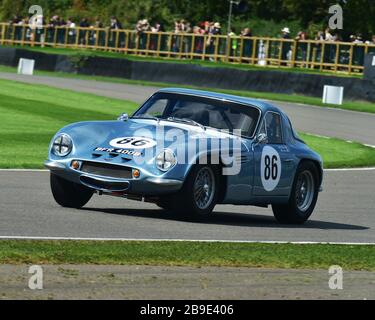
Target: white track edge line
(327,170)
(182,240)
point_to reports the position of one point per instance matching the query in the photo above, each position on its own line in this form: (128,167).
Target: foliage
(79,60)
(261,15)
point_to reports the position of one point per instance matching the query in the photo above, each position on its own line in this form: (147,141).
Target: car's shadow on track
(227,218)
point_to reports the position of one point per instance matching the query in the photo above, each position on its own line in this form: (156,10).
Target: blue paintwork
(243,188)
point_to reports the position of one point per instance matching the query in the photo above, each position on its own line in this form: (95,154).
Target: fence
(316,55)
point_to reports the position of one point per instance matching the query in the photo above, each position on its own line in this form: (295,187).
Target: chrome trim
(165,182)
(281,125)
(54,165)
(114,182)
(70,147)
(174,155)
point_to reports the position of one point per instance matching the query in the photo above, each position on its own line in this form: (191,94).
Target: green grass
(31,114)
(359,106)
(337,153)
(314,256)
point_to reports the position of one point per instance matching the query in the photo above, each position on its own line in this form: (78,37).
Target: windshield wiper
(186,120)
(146,116)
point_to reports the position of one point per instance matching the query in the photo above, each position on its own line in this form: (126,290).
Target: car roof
(262,105)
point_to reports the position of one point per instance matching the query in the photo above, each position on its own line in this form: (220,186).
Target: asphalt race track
(345,213)
(345,210)
(347,125)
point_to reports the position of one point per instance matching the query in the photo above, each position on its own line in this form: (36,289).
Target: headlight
(166,160)
(62,145)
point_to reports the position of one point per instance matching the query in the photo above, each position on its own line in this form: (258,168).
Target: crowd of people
(60,30)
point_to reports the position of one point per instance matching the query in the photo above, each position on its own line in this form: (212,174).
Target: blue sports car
(186,151)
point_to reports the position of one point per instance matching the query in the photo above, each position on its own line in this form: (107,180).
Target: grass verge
(31,114)
(337,153)
(358,106)
(314,256)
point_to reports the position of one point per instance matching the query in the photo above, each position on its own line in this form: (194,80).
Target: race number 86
(270,168)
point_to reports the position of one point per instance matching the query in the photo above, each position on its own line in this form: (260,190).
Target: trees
(358,14)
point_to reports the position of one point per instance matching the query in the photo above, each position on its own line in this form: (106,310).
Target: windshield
(217,114)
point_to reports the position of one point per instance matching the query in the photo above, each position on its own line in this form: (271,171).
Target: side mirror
(260,138)
(123,117)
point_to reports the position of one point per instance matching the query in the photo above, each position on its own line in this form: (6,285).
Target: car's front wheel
(199,194)
(69,194)
(303,198)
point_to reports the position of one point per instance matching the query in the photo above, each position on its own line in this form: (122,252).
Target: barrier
(336,57)
(196,75)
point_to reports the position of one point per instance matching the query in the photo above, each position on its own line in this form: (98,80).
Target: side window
(273,128)
(262,128)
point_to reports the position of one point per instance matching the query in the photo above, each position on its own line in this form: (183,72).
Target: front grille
(106,170)
(98,184)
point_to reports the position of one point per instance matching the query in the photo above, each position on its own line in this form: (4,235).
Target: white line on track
(180,240)
(350,169)
(24,170)
(328,170)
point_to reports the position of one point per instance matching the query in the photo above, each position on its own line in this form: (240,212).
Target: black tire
(68,194)
(186,203)
(291,213)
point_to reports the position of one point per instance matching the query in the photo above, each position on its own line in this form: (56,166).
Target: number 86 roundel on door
(270,168)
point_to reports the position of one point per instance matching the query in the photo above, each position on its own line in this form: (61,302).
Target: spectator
(84,24)
(115,34)
(328,35)
(216,30)
(330,49)
(59,24)
(16,25)
(213,30)
(358,51)
(285,45)
(233,43)
(98,36)
(186,28)
(158,27)
(198,39)
(302,36)
(247,43)
(142,27)
(71,30)
(175,38)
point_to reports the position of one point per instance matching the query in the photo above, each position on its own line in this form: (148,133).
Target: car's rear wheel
(69,194)
(303,197)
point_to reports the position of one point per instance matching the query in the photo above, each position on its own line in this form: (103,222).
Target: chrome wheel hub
(204,188)
(305,189)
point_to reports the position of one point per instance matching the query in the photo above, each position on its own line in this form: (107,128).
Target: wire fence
(337,57)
